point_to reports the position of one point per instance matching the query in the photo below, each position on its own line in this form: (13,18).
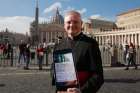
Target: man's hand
(70,83)
(70,90)
(73,90)
(62,92)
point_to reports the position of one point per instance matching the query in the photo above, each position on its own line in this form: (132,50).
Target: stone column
(111,39)
(115,40)
(96,38)
(99,40)
(138,39)
(130,38)
(133,38)
(104,39)
(136,42)
(119,39)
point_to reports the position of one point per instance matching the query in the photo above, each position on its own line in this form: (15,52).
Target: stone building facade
(129,19)
(127,30)
(13,38)
(47,32)
(97,25)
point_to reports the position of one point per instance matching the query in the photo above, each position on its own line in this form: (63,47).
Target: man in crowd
(22,47)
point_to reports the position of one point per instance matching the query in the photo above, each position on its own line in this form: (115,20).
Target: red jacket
(40,51)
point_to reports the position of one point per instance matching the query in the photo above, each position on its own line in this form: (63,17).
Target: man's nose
(71,24)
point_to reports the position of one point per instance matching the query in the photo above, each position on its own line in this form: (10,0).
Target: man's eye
(68,22)
(73,22)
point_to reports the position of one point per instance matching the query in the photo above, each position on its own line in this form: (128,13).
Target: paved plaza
(17,80)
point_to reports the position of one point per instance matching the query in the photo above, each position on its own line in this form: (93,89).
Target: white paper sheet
(65,71)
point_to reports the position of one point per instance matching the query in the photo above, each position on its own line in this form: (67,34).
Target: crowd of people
(25,53)
(5,50)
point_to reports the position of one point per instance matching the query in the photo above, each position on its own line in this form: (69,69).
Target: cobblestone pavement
(118,80)
(17,80)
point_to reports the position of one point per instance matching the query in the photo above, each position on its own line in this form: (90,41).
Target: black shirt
(87,60)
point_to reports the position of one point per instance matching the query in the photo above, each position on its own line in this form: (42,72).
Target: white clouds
(68,9)
(97,16)
(59,5)
(65,0)
(82,11)
(53,7)
(21,24)
(18,24)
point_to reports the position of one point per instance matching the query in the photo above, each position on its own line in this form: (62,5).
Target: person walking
(130,56)
(40,54)
(125,51)
(86,54)
(22,47)
(9,48)
(27,56)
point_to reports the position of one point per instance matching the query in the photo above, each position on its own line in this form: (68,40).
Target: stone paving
(17,80)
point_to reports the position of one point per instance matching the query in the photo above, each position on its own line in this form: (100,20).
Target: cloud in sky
(97,16)
(81,11)
(53,7)
(19,24)
(65,0)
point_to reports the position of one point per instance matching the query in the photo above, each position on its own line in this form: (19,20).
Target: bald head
(72,12)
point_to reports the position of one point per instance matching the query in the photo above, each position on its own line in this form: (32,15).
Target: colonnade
(118,37)
(50,36)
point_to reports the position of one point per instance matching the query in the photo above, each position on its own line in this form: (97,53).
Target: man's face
(73,24)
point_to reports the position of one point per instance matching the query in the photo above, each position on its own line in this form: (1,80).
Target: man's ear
(82,25)
(81,22)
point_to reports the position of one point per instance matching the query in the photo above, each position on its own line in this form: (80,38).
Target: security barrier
(108,58)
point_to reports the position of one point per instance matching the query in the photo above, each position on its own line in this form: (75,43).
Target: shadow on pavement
(122,80)
(36,69)
(2,85)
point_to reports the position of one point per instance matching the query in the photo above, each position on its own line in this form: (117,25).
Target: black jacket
(87,60)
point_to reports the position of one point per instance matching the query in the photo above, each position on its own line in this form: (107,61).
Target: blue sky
(17,14)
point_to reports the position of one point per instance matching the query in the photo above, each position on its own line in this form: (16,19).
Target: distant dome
(57,18)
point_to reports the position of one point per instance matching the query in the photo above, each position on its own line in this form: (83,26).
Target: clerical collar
(78,36)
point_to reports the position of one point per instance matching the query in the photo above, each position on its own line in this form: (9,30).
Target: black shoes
(126,69)
(40,68)
(136,68)
(26,68)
